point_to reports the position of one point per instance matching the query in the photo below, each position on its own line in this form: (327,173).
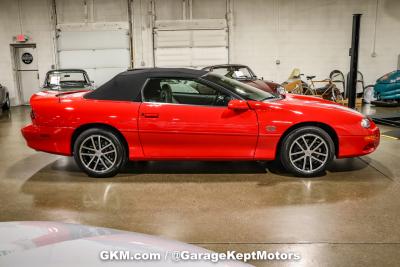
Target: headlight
(365,123)
(281,90)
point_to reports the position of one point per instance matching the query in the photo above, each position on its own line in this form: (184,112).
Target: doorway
(26,70)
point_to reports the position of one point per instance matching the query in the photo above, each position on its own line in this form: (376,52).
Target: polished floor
(349,217)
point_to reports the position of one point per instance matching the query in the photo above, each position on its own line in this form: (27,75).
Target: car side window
(183,91)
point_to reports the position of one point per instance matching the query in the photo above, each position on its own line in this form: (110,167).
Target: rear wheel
(307,151)
(99,152)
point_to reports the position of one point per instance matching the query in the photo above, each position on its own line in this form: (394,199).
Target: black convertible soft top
(127,85)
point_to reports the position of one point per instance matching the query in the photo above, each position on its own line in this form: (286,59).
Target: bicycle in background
(295,85)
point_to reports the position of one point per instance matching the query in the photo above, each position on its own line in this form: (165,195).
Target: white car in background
(43,243)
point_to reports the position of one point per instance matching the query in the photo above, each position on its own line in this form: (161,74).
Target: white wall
(314,35)
(32,18)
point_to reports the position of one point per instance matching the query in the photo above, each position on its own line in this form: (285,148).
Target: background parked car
(387,90)
(244,74)
(68,80)
(4,98)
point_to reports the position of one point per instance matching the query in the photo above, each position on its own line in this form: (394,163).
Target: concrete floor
(349,217)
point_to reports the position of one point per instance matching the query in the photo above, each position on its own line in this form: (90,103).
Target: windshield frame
(47,84)
(231,85)
(237,67)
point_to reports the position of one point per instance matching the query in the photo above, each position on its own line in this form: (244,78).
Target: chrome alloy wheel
(98,153)
(308,153)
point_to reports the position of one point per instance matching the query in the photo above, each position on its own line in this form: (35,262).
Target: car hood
(312,106)
(290,110)
(260,84)
(272,85)
(34,243)
(316,104)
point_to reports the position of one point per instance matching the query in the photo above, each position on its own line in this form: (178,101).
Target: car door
(183,118)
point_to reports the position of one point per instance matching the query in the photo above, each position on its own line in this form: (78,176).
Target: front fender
(275,118)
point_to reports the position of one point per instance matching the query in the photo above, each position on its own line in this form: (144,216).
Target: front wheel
(99,152)
(307,151)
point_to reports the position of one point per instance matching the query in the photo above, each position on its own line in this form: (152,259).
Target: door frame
(16,76)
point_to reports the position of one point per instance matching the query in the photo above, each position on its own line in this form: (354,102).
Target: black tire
(291,152)
(383,103)
(102,164)
(6,105)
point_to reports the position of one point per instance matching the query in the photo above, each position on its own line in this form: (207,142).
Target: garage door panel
(169,9)
(172,39)
(202,57)
(70,11)
(202,10)
(80,40)
(102,75)
(103,53)
(173,57)
(114,58)
(191,57)
(190,45)
(210,38)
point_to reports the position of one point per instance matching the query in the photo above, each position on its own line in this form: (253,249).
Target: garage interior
(348,217)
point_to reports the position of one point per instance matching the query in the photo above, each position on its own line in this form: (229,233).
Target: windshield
(235,72)
(66,80)
(246,91)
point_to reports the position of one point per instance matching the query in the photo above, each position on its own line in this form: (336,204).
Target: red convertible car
(182,114)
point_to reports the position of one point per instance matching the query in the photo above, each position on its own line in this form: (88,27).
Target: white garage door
(193,44)
(103,54)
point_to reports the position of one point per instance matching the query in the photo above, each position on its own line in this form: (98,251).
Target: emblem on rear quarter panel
(270,128)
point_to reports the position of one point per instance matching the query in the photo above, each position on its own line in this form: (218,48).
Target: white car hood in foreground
(62,244)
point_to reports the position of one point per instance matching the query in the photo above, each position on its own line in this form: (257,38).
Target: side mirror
(236,104)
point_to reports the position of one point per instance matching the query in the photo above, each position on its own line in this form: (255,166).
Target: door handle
(150,115)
